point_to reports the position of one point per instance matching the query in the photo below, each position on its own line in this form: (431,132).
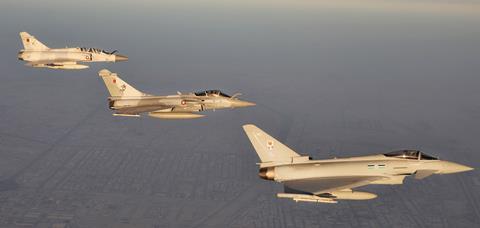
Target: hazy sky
(385,59)
(331,78)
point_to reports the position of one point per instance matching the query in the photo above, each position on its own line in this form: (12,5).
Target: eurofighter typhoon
(128,101)
(37,54)
(329,180)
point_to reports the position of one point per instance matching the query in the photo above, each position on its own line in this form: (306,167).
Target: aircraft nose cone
(239,103)
(451,167)
(120,58)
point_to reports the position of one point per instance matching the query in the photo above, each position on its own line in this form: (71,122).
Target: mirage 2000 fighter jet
(37,54)
(329,180)
(127,101)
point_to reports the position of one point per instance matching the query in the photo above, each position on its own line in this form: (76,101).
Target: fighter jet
(329,180)
(37,54)
(128,101)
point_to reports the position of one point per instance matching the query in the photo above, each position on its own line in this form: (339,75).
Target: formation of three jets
(304,179)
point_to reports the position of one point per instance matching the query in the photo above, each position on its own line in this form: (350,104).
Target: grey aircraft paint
(329,180)
(345,79)
(128,101)
(36,54)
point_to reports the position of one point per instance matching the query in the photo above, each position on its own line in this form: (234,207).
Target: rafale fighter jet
(326,181)
(37,54)
(127,101)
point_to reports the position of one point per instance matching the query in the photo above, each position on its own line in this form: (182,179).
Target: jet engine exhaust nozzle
(267,173)
(111,104)
(20,56)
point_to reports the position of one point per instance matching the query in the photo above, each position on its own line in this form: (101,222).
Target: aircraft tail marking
(268,148)
(116,86)
(31,43)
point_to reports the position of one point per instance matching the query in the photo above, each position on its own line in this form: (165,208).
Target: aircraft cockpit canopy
(212,93)
(94,50)
(410,154)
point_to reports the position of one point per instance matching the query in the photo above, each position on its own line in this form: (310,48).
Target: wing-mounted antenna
(179,93)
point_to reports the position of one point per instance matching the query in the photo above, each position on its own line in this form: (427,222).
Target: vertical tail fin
(267,147)
(31,43)
(116,86)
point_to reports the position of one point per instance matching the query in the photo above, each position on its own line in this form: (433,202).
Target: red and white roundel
(28,40)
(114,80)
(183,102)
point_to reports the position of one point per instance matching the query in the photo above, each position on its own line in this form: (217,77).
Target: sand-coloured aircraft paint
(37,54)
(329,180)
(128,101)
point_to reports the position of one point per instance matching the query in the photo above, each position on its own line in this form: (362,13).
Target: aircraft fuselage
(180,103)
(65,55)
(385,170)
